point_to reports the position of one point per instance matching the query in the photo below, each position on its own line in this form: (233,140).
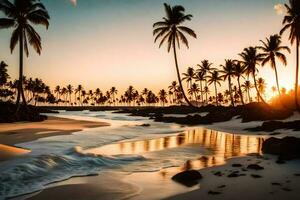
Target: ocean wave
(32,174)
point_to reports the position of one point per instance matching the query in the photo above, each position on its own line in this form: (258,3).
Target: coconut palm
(247,87)
(21,14)
(57,91)
(239,70)
(79,90)
(70,92)
(215,78)
(113,91)
(251,59)
(271,50)
(200,77)
(205,67)
(261,84)
(171,30)
(194,90)
(3,73)
(228,72)
(163,97)
(188,76)
(291,21)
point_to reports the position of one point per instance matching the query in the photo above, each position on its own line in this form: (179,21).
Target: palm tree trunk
(201,92)
(230,91)
(240,90)
(178,76)
(206,92)
(20,83)
(258,93)
(216,93)
(297,74)
(277,82)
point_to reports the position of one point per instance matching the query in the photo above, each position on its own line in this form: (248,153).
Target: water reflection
(220,145)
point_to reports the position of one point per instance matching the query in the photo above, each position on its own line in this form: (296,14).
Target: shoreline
(12,134)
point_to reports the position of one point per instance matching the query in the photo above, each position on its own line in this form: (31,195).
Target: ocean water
(124,146)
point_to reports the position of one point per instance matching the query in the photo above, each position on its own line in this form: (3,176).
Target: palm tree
(200,76)
(57,91)
(70,92)
(291,21)
(215,78)
(239,70)
(79,90)
(272,49)
(193,90)
(113,91)
(247,87)
(205,67)
(228,73)
(250,59)
(20,15)
(163,97)
(171,31)
(3,73)
(188,76)
(261,84)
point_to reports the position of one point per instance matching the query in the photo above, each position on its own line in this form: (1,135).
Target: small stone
(275,183)
(236,165)
(256,176)
(221,186)
(255,167)
(213,192)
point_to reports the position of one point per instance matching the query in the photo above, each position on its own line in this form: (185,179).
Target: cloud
(74,2)
(280,9)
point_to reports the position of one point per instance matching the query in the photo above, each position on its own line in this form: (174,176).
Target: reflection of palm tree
(215,79)
(271,50)
(171,31)
(20,14)
(250,59)
(291,21)
(228,72)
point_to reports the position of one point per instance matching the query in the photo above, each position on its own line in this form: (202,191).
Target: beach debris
(188,178)
(255,167)
(214,192)
(256,176)
(236,165)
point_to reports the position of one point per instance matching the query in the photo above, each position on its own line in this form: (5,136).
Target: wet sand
(15,133)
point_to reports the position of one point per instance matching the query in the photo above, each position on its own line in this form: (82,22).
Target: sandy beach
(14,133)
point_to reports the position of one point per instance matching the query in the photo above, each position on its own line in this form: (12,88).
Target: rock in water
(287,148)
(188,178)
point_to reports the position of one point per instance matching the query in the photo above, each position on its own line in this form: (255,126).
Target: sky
(105,43)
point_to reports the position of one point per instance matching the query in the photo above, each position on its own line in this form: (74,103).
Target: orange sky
(108,44)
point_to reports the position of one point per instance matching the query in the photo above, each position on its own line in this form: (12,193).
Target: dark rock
(188,178)
(221,186)
(296,174)
(145,125)
(286,148)
(214,192)
(286,189)
(235,174)
(270,126)
(279,161)
(236,165)
(218,173)
(256,176)
(255,167)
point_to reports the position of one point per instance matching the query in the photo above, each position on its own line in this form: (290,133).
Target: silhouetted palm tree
(188,76)
(79,90)
(228,72)
(171,31)
(163,97)
(247,87)
(250,59)
(272,49)
(206,68)
(70,92)
(215,78)
(239,70)
(20,15)
(113,91)
(200,76)
(291,21)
